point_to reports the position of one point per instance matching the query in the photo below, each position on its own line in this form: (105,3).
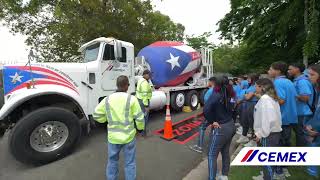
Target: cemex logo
(274,156)
(287,156)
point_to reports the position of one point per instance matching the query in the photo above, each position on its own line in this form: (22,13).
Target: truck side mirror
(117,50)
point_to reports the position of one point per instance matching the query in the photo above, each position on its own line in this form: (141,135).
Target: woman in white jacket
(267,120)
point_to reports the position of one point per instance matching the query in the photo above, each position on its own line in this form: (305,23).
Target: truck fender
(16,99)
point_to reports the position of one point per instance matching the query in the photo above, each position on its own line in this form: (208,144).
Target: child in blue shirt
(244,84)
(202,129)
(312,127)
(287,100)
(304,99)
(236,87)
(247,110)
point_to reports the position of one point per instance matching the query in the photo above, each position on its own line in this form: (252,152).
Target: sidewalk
(201,171)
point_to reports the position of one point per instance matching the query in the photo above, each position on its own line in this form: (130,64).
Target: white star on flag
(173,61)
(16,78)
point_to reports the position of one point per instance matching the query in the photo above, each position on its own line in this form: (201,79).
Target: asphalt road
(156,158)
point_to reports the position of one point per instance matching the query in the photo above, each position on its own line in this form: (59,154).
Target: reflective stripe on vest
(139,115)
(97,116)
(127,131)
(127,110)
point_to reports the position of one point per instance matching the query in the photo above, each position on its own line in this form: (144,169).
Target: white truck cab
(105,60)
(45,104)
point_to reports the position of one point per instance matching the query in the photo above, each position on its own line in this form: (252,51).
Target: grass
(247,172)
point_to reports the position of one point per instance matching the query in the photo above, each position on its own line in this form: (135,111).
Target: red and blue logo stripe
(250,155)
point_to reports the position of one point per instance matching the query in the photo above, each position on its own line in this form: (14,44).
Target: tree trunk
(305,57)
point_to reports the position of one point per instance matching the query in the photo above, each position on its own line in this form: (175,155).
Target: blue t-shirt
(252,89)
(304,88)
(208,94)
(286,91)
(242,92)
(244,84)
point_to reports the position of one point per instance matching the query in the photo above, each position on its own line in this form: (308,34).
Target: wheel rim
(49,136)
(194,100)
(180,100)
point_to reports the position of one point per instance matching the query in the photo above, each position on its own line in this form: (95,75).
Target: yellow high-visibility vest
(120,110)
(144,91)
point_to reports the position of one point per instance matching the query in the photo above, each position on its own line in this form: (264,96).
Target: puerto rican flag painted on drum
(19,77)
(171,63)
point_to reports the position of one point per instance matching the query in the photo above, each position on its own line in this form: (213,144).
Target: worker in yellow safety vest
(124,116)
(144,94)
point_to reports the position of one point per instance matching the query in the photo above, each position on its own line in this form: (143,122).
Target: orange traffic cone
(167,131)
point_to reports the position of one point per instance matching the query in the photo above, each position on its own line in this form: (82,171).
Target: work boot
(196,148)
(243,139)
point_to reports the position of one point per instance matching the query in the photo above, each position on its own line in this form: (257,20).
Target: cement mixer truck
(44,106)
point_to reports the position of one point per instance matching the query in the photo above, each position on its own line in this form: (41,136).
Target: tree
(312,25)
(56,29)
(199,41)
(272,30)
(229,59)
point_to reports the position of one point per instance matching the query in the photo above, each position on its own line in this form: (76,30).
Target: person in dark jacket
(218,112)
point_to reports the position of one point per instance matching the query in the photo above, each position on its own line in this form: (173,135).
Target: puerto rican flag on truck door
(19,77)
(171,63)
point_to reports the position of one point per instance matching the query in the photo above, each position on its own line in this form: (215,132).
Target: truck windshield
(91,53)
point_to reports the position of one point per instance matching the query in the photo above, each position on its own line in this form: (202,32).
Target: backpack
(314,100)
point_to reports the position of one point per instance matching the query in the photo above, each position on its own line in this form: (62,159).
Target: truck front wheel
(45,135)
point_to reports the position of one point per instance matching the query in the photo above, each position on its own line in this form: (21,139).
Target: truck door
(112,69)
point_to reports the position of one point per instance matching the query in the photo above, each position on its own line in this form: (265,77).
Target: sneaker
(260,177)
(222,178)
(286,172)
(277,176)
(196,148)
(243,140)
(251,143)
(239,130)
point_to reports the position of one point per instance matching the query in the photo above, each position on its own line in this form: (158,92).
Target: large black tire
(177,101)
(20,142)
(201,96)
(192,100)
